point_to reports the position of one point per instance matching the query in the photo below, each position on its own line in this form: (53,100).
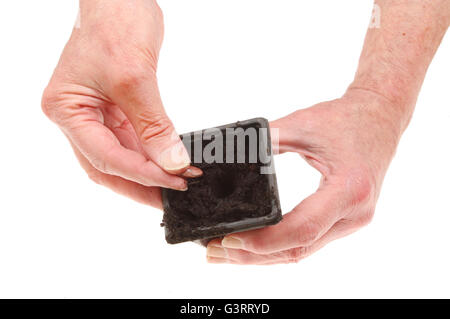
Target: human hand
(104,96)
(351,142)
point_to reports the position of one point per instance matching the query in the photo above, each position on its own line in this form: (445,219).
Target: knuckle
(365,218)
(242,258)
(127,81)
(101,164)
(130,76)
(48,103)
(361,188)
(153,126)
(256,246)
(307,233)
(296,254)
(95,176)
(260,242)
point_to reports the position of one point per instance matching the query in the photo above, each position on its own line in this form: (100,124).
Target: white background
(63,236)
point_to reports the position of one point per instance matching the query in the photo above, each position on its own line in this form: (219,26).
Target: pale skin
(351,140)
(104,96)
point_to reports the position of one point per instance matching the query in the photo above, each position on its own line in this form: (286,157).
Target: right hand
(351,142)
(104,96)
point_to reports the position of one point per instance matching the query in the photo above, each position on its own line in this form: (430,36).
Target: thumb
(140,100)
(302,227)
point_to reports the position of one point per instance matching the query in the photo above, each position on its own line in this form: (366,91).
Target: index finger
(104,152)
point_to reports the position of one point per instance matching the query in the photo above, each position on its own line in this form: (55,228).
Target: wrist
(394,90)
(101,9)
(387,114)
(397,53)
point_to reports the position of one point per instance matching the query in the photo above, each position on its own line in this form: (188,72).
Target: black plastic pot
(236,192)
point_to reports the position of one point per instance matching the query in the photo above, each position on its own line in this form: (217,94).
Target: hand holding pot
(351,140)
(104,96)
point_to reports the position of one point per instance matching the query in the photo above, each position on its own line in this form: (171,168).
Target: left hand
(104,96)
(351,142)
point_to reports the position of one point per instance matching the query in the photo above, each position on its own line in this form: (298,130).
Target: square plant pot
(237,191)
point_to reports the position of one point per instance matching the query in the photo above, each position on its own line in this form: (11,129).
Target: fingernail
(184,188)
(192,172)
(181,185)
(216,252)
(232,242)
(175,158)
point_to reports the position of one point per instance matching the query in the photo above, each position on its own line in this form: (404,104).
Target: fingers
(290,133)
(309,221)
(218,254)
(192,172)
(105,153)
(117,122)
(340,229)
(139,98)
(142,194)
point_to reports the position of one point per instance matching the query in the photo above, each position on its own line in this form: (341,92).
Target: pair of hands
(104,96)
